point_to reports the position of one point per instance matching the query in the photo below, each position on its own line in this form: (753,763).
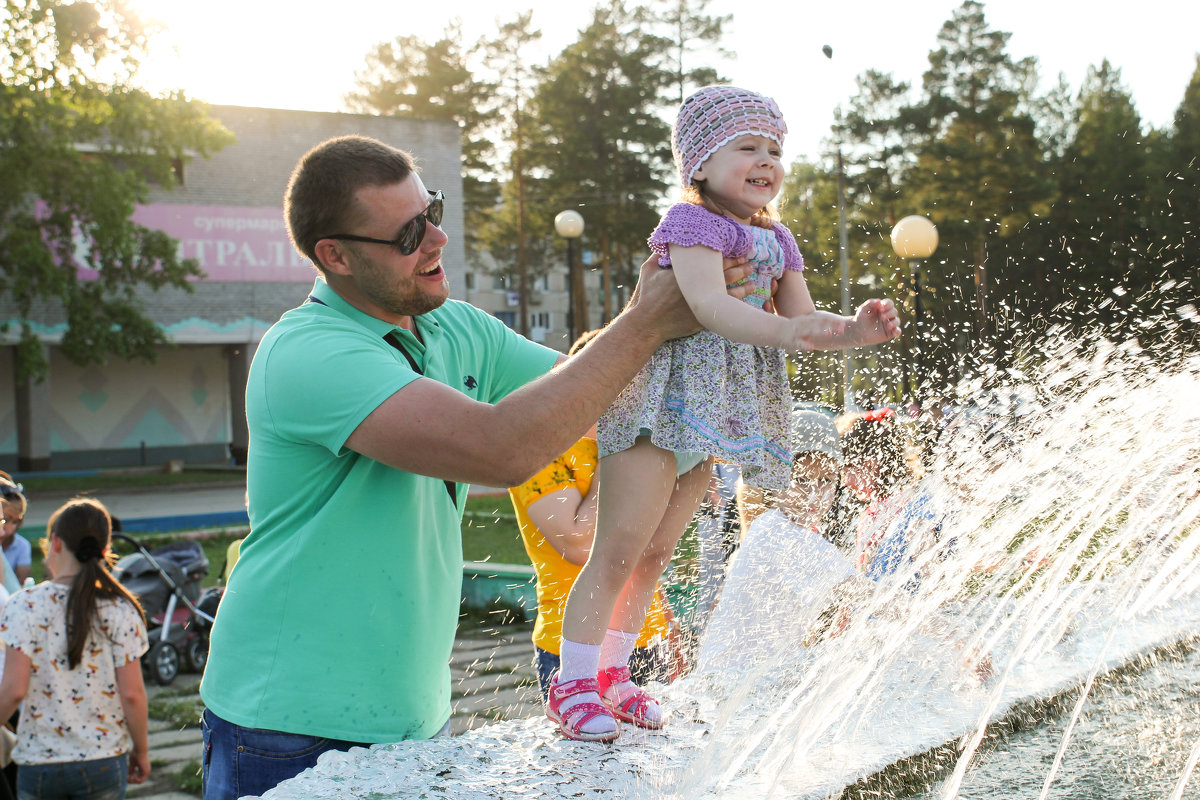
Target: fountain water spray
(1057,540)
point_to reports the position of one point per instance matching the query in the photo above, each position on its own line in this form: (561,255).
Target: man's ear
(332,256)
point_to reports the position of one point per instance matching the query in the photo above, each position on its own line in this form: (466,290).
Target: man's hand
(657,292)
(737,276)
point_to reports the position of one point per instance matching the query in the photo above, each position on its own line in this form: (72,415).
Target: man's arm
(431,429)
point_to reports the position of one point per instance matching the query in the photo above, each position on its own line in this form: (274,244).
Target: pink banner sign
(231,243)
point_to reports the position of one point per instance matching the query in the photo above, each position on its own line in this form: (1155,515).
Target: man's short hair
(321,194)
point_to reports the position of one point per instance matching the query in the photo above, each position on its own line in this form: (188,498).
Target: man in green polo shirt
(369,408)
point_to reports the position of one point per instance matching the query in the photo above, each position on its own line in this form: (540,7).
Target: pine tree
(602,142)
(409,77)
(980,169)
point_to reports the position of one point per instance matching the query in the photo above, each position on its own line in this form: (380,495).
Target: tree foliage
(688,29)
(1056,209)
(79,146)
(611,169)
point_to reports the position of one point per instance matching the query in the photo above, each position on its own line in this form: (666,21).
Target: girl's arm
(876,320)
(567,520)
(133,702)
(16,682)
(702,282)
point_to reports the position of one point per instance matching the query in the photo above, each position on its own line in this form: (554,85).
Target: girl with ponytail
(74,657)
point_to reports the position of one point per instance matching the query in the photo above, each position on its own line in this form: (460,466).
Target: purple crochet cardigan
(687,224)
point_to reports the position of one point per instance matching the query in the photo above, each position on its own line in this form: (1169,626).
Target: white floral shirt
(70,714)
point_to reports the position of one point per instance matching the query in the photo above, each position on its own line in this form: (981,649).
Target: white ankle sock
(617,648)
(579,660)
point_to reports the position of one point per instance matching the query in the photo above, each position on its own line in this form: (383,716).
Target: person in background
(17,550)
(12,514)
(786,572)
(74,647)
(879,474)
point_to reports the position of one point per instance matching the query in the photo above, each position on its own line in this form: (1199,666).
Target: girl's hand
(139,767)
(875,322)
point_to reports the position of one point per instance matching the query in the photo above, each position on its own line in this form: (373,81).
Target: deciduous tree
(79,145)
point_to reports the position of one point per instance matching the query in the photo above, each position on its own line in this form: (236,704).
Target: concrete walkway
(492,679)
(185,500)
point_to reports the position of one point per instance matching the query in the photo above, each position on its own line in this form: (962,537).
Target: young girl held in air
(722,392)
(74,657)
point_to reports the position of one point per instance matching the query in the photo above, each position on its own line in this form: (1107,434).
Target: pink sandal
(571,721)
(632,708)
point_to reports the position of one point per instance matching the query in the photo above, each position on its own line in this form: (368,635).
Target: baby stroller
(166,581)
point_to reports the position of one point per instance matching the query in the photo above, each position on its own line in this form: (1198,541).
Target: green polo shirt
(339,618)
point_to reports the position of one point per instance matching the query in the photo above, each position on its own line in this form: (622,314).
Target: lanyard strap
(394,340)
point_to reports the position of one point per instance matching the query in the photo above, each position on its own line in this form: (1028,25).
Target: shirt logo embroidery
(470,382)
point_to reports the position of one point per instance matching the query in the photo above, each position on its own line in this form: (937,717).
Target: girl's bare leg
(629,612)
(636,487)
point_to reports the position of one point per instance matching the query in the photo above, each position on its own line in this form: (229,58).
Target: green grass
(84,484)
(188,779)
(214,548)
(182,712)
(490,531)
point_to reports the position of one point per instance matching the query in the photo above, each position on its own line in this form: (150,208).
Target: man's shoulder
(310,320)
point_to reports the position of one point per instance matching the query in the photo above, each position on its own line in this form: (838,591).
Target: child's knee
(656,555)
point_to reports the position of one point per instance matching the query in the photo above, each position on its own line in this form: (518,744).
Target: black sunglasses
(10,492)
(413,232)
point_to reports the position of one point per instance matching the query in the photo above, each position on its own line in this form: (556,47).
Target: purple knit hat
(715,115)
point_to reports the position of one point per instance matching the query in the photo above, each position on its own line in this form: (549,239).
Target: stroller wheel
(196,653)
(162,662)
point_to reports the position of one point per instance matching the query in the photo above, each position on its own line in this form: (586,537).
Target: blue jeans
(102,779)
(248,761)
(645,665)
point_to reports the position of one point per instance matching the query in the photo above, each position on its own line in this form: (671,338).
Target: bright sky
(259,53)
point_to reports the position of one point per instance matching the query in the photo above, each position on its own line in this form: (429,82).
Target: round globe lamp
(915,238)
(569,225)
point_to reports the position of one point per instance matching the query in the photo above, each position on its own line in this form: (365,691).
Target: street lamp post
(915,238)
(844,262)
(843,251)
(569,225)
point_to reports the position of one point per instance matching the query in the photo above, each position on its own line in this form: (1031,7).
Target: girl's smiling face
(744,175)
